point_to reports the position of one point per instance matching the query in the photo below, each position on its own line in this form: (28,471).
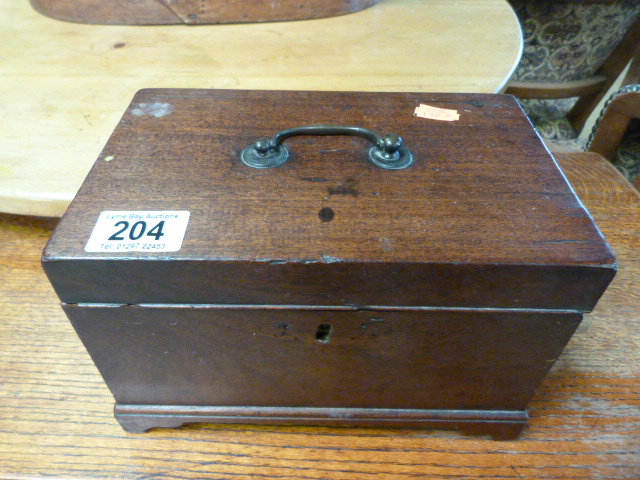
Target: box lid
(482,218)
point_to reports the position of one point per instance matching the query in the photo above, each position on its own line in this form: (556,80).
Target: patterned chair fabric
(570,39)
(566,40)
(627,158)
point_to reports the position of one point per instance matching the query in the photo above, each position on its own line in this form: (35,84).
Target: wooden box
(435,292)
(159,12)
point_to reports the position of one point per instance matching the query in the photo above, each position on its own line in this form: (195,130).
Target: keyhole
(324,333)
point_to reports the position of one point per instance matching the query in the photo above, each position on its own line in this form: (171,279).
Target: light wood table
(64,86)
(56,418)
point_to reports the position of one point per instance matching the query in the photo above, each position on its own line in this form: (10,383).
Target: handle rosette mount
(387,152)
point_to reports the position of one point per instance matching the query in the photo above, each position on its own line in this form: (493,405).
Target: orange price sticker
(435,113)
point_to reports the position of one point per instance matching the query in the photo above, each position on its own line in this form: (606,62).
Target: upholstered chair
(574,50)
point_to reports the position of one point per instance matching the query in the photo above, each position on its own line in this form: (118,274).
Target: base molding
(499,424)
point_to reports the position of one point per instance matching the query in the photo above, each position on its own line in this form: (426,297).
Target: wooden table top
(56,416)
(64,86)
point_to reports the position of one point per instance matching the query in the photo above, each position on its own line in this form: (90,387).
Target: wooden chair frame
(614,120)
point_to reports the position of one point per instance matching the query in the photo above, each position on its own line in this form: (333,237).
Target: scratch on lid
(153,109)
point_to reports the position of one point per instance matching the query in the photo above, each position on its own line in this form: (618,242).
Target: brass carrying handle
(387,152)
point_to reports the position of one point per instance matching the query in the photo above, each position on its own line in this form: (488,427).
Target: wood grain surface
(64,85)
(56,416)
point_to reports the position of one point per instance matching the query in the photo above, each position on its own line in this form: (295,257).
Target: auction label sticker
(435,113)
(138,231)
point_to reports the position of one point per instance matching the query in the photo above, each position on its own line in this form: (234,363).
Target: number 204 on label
(138,231)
